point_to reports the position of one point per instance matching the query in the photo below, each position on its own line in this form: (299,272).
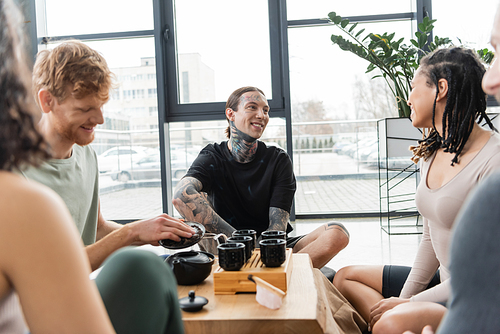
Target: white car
(121,157)
(149,167)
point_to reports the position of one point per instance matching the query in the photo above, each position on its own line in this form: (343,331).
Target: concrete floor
(369,244)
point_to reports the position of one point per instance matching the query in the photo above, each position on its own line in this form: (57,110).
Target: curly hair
(234,100)
(465,104)
(20,143)
(72,63)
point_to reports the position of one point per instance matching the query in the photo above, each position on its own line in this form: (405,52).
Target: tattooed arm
(194,206)
(278,219)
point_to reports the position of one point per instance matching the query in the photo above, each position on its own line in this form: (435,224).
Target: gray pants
(475,264)
(140,293)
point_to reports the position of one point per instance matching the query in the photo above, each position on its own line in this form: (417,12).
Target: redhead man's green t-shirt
(76,180)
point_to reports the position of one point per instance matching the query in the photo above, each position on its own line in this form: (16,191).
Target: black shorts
(394,277)
(292,241)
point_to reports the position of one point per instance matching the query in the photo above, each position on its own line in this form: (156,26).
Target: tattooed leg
(323,243)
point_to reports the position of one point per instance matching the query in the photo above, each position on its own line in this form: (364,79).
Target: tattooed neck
(242,146)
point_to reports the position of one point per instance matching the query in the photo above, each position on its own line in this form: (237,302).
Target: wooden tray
(231,282)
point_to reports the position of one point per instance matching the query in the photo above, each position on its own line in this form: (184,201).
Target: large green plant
(396,61)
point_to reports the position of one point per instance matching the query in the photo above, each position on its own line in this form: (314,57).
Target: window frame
(179,112)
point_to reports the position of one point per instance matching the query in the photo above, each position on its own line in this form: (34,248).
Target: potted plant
(396,61)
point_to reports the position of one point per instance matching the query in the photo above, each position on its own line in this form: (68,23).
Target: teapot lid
(193,257)
(192,303)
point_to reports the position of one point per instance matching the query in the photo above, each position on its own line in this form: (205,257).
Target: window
(67,18)
(205,70)
(474,31)
(129,132)
(151,93)
(115,94)
(140,93)
(229,61)
(335,105)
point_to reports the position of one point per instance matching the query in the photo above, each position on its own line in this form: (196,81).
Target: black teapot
(191,268)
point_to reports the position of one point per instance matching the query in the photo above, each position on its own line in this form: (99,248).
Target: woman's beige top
(439,207)
(11,315)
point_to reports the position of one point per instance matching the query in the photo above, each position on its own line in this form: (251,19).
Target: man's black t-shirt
(242,193)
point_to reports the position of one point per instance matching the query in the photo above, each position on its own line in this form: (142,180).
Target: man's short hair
(72,63)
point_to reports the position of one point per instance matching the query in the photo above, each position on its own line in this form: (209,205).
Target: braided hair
(465,104)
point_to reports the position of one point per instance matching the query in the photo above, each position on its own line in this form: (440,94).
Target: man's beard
(71,135)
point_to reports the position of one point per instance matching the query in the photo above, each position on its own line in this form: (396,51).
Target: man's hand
(383,306)
(150,231)
(112,236)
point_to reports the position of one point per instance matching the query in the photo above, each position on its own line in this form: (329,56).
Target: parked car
(337,147)
(149,167)
(121,157)
(180,162)
(367,150)
(352,150)
(393,163)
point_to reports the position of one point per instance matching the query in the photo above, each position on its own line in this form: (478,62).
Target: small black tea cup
(273,235)
(231,255)
(273,252)
(250,233)
(247,240)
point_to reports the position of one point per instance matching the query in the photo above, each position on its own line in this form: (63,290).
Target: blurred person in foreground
(43,267)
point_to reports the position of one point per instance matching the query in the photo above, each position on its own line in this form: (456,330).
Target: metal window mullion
(354,19)
(100,36)
(160,10)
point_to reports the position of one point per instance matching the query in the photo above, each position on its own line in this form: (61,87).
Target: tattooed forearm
(278,219)
(339,226)
(194,206)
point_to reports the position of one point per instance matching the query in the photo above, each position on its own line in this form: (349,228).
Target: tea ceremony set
(234,285)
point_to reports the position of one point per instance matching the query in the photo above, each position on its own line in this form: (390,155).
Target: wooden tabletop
(242,314)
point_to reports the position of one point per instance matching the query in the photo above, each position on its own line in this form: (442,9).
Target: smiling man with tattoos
(244,184)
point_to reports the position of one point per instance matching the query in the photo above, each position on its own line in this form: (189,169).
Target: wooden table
(242,314)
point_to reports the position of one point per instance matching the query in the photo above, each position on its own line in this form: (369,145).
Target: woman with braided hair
(447,100)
